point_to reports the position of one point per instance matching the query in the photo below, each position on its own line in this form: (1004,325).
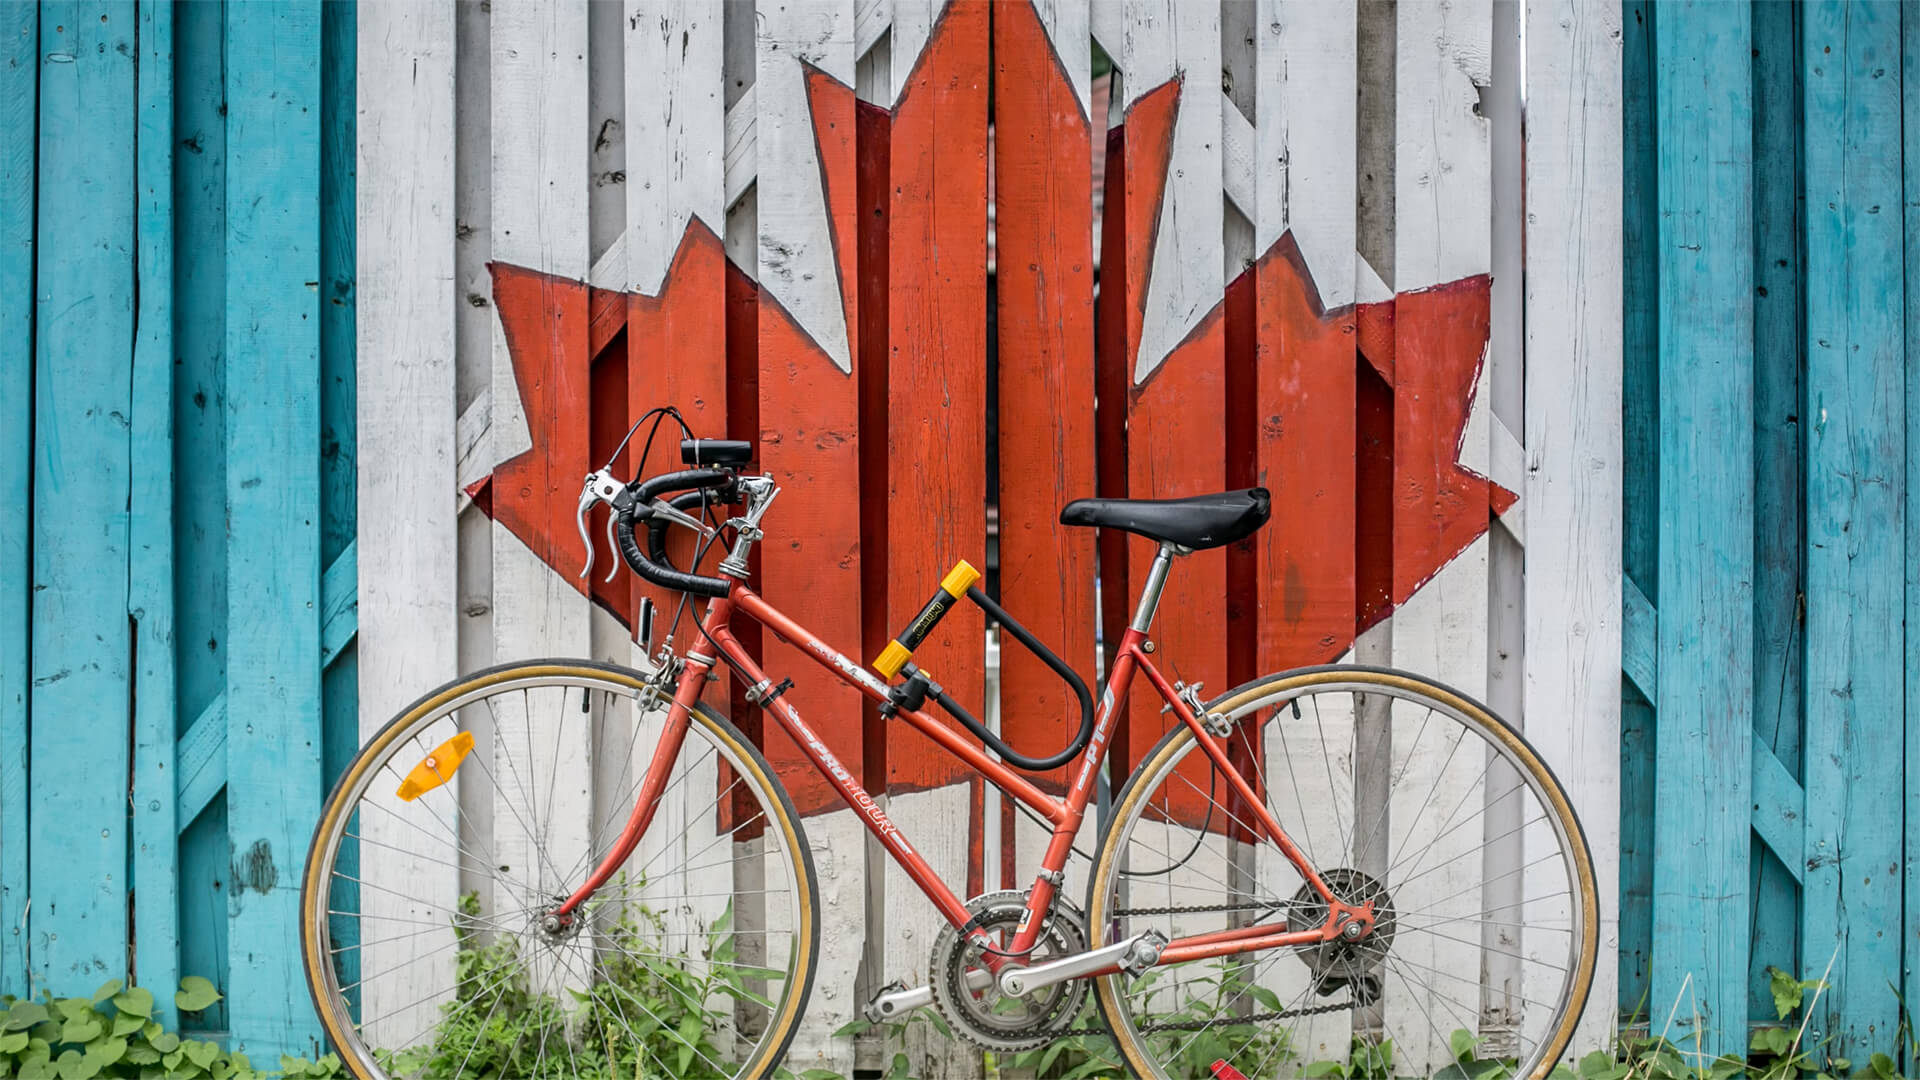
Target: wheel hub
(1353,959)
(980,1013)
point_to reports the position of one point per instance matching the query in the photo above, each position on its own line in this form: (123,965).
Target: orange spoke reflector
(438,767)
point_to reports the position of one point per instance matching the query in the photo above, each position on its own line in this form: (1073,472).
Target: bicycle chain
(1200,1025)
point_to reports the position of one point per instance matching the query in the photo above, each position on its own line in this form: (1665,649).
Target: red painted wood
(874,124)
(1175,442)
(1307,433)
(743,422)
(936,400)
(677,355)
(535,492)
(1110,428)
(1043,176)
(809,441)
(1440,506)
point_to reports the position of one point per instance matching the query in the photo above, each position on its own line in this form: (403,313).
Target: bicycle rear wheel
(427,909)
(1398,791)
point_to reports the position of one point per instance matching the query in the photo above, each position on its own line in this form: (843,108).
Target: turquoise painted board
(273,509)
(1704,106)
(156,835)
(1641,447)
(1779,532)
(83,322)
(19,47)
(200,476)
(1856,479)
(1910,121)
(124,137)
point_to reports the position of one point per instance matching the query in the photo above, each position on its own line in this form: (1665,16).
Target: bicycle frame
(1064,815)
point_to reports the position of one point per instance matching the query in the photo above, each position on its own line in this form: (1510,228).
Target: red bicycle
(562,868)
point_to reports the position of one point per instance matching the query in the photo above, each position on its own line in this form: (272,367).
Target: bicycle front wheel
(1397,791)
(428,915)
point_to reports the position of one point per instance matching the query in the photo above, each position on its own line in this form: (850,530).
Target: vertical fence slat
(1856,480)
(81,640)
(200,474)
(676,326)
(1910,140)
(1705,687)
(936,438)
(274,739)
(1305,234)
(540,432)
(19,80)
(1573,437)
(150,575)
(1441,416)
(1641,479)
(809,441)
(1779,521)
(1043,176)
(406,441)
(1172,351)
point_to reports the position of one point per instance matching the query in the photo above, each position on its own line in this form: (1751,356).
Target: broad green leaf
(143,1055)
(1786,991)
(24,1015)
(1883,1066)
(128,1024)
(135,1002)
(201,1052)
(166,1042)
(13,1042)
(107,990)
(1462,1042)
(196,993)
(80,1029)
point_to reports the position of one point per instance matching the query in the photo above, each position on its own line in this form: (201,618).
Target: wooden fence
(177,567)
(947,275)
(1770,762)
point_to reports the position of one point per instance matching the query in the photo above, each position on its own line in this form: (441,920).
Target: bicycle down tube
(1064,815)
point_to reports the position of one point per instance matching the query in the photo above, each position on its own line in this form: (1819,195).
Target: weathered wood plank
(1855,485)
(274,736)
(200,493)
(935,435)
(1170,347)
(809,324)
(81,649)
(19,101)
(1779,516)
(540,393)
(1305,399)
(1639,638)
(1442,244)
(1572,490)
(408,297)
(1703,738)
(1641,480)
(676,315)
(150,571)
(1043,172)
(1910,139)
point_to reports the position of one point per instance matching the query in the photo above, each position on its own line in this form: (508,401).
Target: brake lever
(600,487)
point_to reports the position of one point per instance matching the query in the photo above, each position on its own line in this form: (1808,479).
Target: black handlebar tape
(1060,667)
(657,524)
(900,649)
(644,492)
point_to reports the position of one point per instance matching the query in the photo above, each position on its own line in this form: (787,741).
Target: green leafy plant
(112,1036)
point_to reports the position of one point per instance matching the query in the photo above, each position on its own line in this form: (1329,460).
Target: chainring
(982,1015)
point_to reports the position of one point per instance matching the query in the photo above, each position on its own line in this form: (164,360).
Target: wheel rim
(433,944)
(1455,851)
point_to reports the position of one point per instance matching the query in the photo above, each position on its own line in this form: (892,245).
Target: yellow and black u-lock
(952,588)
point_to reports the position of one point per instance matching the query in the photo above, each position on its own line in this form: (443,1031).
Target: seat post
(1156,580)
